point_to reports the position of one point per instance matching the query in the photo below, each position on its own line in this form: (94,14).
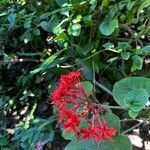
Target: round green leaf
(125,55)
(136,99)
(108,27)
(128,84)
(75,29)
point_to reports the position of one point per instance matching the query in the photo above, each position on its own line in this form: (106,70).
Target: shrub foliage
(41,40)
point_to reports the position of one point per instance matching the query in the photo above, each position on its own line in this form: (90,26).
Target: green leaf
(75,29)
(136,99)
(105,3)
(88,87)
(113,121)
(119,142)
(122,87)
(108,46)
(27,24)
(44,16)
(146,50)
(12,20)
(137,63)
(132,114)
(61,37)
(65,10)
(108,27)
(60,2)
(87,48)
(88,20)
(82,145)
(132,93)
(46,63)
(68,136)
(26,37)
(46,26)
(145,4)
(125,55)
(112,59)
(36,31)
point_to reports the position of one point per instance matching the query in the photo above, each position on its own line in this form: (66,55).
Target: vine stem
(113,107)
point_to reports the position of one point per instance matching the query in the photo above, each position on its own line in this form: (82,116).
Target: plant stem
(113,107)
(130,129)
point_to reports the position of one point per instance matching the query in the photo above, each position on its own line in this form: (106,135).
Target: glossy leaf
(75,29)
(137,63)
(108,27)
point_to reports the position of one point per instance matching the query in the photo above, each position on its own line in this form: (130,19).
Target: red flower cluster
(74,107)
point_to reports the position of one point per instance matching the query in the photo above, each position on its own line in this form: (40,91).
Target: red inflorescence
(74,108)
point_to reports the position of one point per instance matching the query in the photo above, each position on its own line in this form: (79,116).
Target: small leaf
(46,63)
(36,32)
(46,26)
(68,136)
(112,59)
(75,29)
(105,3)
(109,46)
(108,27)
(61,2)
(125,55)
(88,20)
(27,24)
(137,63)
(146,50)
(88,87)
(61,37)
(26,37)
(12,20)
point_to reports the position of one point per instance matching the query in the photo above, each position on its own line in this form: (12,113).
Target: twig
(123,120)
(130,129)
(21,60)
(113,107)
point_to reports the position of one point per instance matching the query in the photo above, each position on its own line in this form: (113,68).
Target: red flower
(85,134)
(107,133)
(74,106)
(71,123)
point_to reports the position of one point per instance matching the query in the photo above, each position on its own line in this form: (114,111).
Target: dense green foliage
(41,40)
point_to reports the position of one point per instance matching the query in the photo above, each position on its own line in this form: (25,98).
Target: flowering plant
(75,107)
